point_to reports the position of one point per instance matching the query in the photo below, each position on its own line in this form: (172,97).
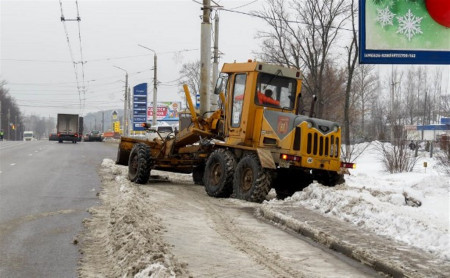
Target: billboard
(165,111)
(404,31)
(139,106)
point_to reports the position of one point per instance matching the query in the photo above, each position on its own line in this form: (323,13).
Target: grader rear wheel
(289,181)
(328,178)
(251,182)
(218,175)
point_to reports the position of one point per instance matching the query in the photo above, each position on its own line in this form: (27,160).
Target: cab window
(275,91)
(238,99)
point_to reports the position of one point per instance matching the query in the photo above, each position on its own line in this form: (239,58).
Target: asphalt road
(45,190)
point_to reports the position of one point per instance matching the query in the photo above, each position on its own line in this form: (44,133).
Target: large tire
(139,164)
(219,171)
(289,181)
(197,174)
(251,182)
(328,178)
(122,157)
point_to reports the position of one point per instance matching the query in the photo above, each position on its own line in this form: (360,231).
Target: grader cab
(255,141)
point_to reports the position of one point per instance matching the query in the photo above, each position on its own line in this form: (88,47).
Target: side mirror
(219,85)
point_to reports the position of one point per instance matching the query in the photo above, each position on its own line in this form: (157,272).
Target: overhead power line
(81,50)
(278,19)
(74,62)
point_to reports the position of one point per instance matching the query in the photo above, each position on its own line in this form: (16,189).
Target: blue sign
(401,32)
(197,101)
(139,106)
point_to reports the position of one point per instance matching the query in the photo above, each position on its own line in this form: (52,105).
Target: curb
(382,254)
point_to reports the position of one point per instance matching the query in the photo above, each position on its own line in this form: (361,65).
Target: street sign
(139,106)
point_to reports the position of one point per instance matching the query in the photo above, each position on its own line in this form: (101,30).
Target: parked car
(53,137)
(159,131)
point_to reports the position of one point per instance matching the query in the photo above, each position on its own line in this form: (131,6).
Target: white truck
(67,127)
(28,136)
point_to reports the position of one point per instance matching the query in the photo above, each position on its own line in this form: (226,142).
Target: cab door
(237,95)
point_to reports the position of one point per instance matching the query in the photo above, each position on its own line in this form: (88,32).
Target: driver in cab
(266,98)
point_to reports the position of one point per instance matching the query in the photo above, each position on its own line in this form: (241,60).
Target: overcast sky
(36,61)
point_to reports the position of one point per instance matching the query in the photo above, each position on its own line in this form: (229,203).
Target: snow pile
(409,207)
(156,270)
(124,238)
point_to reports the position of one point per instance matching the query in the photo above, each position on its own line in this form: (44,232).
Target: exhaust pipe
(313,102)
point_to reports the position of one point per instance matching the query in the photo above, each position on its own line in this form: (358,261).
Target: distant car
(94,135)
(53,137)
(159,130)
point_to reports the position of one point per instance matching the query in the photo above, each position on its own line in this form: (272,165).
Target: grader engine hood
(299,133)
(282,124)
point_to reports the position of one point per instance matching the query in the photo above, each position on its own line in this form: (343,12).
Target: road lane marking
(12,164)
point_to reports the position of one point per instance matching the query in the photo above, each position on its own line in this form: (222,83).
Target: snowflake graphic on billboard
(385,17)
(409,25)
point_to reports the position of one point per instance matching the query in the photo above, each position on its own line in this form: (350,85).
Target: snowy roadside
(123,237)
(386,204)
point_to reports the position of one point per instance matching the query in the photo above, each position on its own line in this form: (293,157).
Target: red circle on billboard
(439,10)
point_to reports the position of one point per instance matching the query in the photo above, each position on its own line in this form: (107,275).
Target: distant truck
(67,127)
(28,136)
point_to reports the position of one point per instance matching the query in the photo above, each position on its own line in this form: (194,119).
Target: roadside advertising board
(404,31)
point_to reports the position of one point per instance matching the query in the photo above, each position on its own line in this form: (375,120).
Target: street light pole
(155,83)
(205,58)
(125,103)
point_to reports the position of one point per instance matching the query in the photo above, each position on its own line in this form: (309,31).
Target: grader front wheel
(139,164)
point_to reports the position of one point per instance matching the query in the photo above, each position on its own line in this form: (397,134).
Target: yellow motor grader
(257,140)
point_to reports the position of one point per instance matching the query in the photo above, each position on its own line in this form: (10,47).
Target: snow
(409,207)
(155,270)
(385,16)
(409,25)
(412,208)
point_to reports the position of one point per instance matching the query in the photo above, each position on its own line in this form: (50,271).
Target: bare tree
(304,39)
(190,75)
(352,52)
(365,86)
(11,118)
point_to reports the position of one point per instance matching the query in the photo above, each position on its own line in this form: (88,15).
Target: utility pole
(215,60)
(15,128)
(8,115)
(125,103)
(205,58)
(155,83)
(155,88)
(0,115)
(125,107)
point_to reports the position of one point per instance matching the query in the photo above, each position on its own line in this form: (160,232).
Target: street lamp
(155,83)
(125,106)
